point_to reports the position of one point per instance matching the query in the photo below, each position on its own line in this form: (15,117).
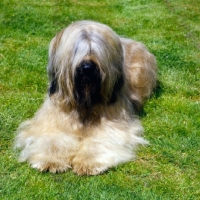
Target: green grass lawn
(169,168)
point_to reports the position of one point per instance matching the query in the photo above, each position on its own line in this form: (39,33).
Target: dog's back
(140,70)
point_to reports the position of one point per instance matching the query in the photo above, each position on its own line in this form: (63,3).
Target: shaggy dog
(97,81)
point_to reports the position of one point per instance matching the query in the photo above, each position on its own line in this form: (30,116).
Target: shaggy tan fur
(63,134)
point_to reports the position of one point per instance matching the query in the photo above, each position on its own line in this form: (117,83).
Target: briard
(88,122)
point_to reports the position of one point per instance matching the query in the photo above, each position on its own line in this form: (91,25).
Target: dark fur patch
(117,87)
(53,87)
(87,85)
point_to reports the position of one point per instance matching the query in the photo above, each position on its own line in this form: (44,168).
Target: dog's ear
(52,64)
(51,69)
(116,89)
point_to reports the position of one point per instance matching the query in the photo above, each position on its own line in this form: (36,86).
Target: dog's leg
(45,140)
(109,146)
(47,152)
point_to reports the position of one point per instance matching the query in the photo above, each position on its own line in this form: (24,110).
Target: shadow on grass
(157,92)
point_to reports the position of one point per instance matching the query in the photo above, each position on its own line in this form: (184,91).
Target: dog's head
(86,64)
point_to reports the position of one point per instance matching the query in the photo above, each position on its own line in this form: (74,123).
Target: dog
(88,121)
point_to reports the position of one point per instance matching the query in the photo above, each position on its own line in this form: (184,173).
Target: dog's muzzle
(87,84)
(88,69)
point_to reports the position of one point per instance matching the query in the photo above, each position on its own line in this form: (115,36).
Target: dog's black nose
(88,67)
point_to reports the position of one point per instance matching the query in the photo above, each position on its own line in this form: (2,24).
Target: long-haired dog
(97,81)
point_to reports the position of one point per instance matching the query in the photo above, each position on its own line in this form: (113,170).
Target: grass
(167,169)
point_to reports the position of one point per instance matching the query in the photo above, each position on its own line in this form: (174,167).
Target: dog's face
(87,84)
(86,64)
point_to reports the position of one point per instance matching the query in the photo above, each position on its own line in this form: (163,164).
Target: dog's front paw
(53,167)
(87,167)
